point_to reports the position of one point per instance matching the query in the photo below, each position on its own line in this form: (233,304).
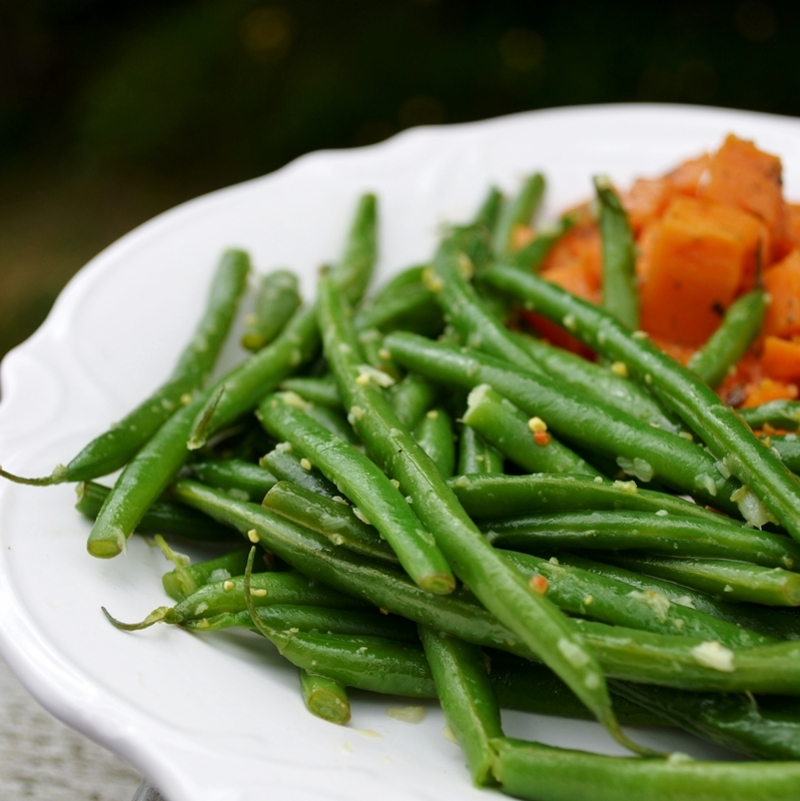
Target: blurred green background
(111,112)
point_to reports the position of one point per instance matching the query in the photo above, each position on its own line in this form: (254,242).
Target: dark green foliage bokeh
(183,97)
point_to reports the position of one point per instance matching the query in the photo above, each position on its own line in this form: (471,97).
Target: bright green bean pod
(371,342)
(620,294)
(532,256)
(518,212)
(543,773)
(788,448)
(331,419)
(237,476)
(117,446)
(475,455)
(183,580)
(639,449)
(321,391)
(500,588)
(411,398)
(778,413)
(776,622)
(403,303)
(597,381)
(242,388)
(485,496)
(361,480)
(514,434)
(581,592)
(286,465)
(736,333)
(163,517)
(353,272)
(643,531)
(772,490)
(325,698)
(333,519)
(278,298)
(489,212)
(467,698)
(721,578)
(434,433)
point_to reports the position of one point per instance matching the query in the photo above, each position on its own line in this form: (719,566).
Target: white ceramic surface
(219,718)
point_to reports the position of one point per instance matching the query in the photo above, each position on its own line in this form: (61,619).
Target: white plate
(219,718)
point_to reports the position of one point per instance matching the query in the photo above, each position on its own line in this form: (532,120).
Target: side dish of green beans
(405,495)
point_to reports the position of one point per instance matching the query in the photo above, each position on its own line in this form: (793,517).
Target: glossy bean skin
(475,455)
(278,298)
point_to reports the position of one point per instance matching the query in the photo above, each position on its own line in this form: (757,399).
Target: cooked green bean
(475,455)
(114,448)
(639,449)
(485,496)
(769,489)
(778,413)
(185,579)
(353,272)
(532,256)
(321,391)
(237,476)
(721,578)
(363,482)
(411,398)
(286,465)
(522,439)
(736,333)
(278,298)
(643,531)
(620,295)
(434,433)
(518,212)
(467,698)
(543,773)
(788,448)
(325,698)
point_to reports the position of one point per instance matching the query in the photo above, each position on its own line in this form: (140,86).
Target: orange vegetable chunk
(699,257)
(768,390)
(783,284)
(743,177)
(781,359)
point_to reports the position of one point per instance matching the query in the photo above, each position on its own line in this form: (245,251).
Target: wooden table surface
(41,759)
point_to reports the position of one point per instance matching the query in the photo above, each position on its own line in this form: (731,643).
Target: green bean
(581,592)
(325,698)
(411,398)
(597,381)
(500,588)
(321,391)
(639,449)
(518,212)
(371,342)
(185,579)
(333,519)
(532,256)
(620,295)
(490,210)
(778,413)
(277,300)
(723,579)
(736,333)
(514,434)
(543,773)
(241,389)
(646,532)
(735,721)
(788,448)
(163,517)
(331,419)
(245,479)
(353,271)
(475,455)
(147,475)
(775,622)
(485,496)
(769,488)
(286,465)
(114,448)
(683,662)
(467,698)
(365,484)
(434,433)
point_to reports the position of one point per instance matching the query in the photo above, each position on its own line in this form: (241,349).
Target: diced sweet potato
(782,281)
(700,257)
(791,231)
(580,246)
(769,390)
(687,177)
(781,359)
(743,177)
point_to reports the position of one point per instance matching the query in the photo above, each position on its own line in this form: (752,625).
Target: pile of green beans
(447,508)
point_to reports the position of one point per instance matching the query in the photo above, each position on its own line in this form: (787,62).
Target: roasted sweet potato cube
(782,281)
